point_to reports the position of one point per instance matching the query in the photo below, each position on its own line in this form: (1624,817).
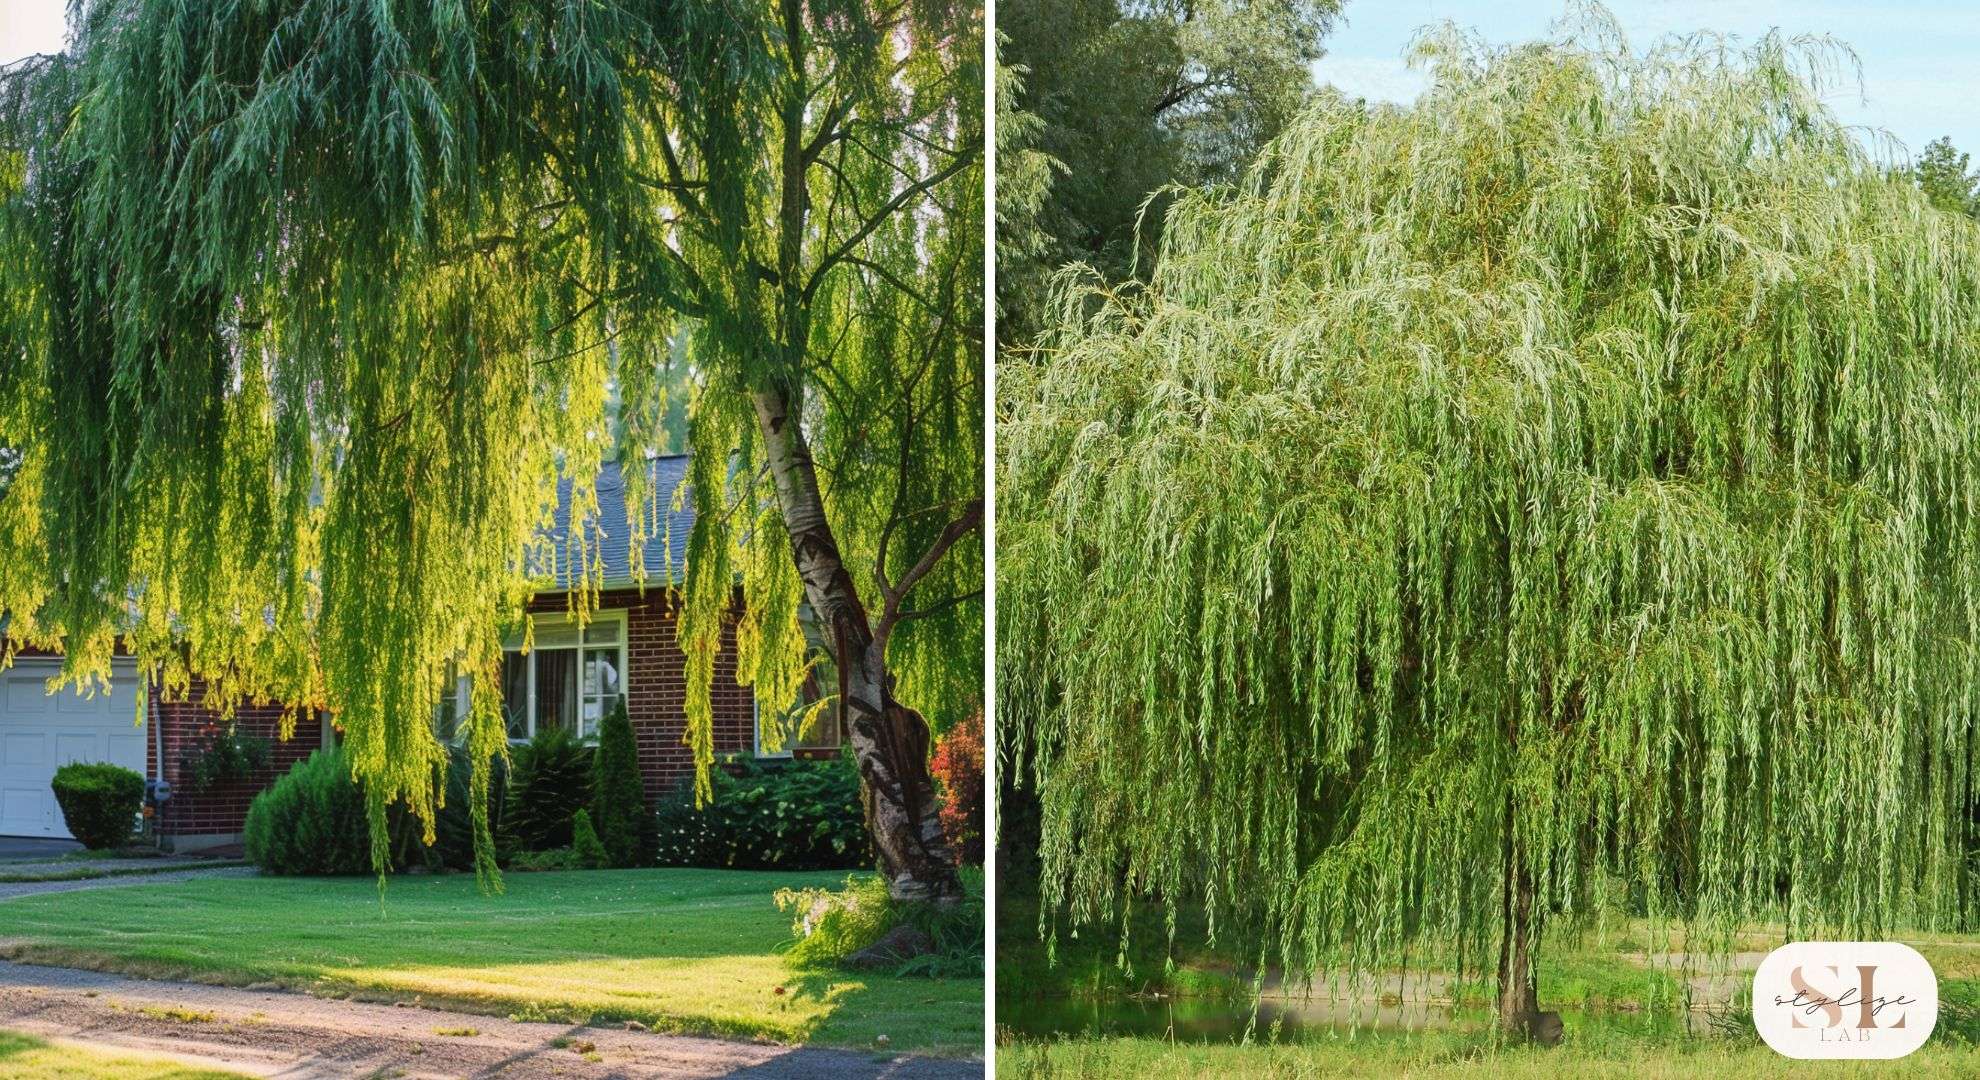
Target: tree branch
(939,606)
(900,199)
(971,519)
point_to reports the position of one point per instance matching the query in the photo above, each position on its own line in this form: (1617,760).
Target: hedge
(792,815)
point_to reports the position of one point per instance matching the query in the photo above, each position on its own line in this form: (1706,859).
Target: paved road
(297,1037)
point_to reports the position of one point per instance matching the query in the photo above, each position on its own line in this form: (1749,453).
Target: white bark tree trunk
(890,740)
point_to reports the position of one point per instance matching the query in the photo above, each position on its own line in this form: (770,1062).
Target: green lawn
(24,1058)
(696,951)
(1454,1058)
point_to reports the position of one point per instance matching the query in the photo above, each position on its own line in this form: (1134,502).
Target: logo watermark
(1845,999)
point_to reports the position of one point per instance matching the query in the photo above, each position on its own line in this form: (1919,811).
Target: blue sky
(1921,60)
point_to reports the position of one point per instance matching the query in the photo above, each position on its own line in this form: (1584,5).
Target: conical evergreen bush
(624,822)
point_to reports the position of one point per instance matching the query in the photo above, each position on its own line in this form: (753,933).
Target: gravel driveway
(297,1037)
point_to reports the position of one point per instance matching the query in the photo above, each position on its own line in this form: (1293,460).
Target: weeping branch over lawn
(1569,482)
(306,305)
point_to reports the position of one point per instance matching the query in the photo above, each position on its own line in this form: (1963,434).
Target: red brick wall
(656,704)
(656,688)
(223,807)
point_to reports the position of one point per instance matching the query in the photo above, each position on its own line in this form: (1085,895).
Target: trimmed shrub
(790,815)
(100,802)
(958,769)
(618,797)
(549,781)
(311,821)
(585,845)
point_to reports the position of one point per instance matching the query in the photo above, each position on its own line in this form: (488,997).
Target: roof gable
(667,526)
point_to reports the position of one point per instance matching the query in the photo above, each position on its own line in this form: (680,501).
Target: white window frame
(461,693)
(613,616)
(756,724)
(792,744)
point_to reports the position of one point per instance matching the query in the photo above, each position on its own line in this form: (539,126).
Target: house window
(570,680)
(821,734)
(453,708)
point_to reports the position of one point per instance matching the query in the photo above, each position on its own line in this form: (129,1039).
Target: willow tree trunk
(890,740)
(1519,990)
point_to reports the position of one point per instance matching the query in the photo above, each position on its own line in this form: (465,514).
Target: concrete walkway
(34,847)
(297,1037)
(13,890)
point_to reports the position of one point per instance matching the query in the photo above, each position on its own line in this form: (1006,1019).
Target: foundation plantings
(1563,487)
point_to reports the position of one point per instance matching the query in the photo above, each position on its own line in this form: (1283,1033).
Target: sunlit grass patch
(681,951)
(24,1058)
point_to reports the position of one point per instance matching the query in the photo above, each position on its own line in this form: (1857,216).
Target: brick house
(569,680)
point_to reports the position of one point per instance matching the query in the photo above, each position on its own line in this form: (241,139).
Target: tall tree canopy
(1563,486)
(305,306)
(1130,96)
(1942,172)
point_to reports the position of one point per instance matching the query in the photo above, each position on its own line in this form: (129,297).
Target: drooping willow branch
(1594,440)
(301,315)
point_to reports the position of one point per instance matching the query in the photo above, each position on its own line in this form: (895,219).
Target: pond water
(1284,1019)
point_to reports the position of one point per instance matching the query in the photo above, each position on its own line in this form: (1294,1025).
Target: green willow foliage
(1581,466)
(305,305)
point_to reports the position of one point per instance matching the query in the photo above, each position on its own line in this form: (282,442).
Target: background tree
(1024,183)
(1556,489)
(1102,104)
(308,305)
(1942,174)
(1129,97)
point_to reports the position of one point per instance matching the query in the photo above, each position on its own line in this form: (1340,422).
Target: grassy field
(1622,1008)
(1600,967)
(24,1058)
(1451,1058)
(693,951)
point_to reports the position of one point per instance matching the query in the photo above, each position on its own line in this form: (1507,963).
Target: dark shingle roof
(666,525)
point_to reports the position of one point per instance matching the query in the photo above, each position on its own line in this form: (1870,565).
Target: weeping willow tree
(306,305)
(1563,488)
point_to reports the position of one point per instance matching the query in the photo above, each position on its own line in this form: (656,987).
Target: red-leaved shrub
(958,769)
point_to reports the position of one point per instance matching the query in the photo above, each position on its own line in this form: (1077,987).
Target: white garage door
(40,732)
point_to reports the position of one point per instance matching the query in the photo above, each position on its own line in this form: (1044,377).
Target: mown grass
(24,1058)
(688,951)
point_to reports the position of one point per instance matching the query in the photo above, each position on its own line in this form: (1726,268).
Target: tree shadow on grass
(806,1064)
(884,1012)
